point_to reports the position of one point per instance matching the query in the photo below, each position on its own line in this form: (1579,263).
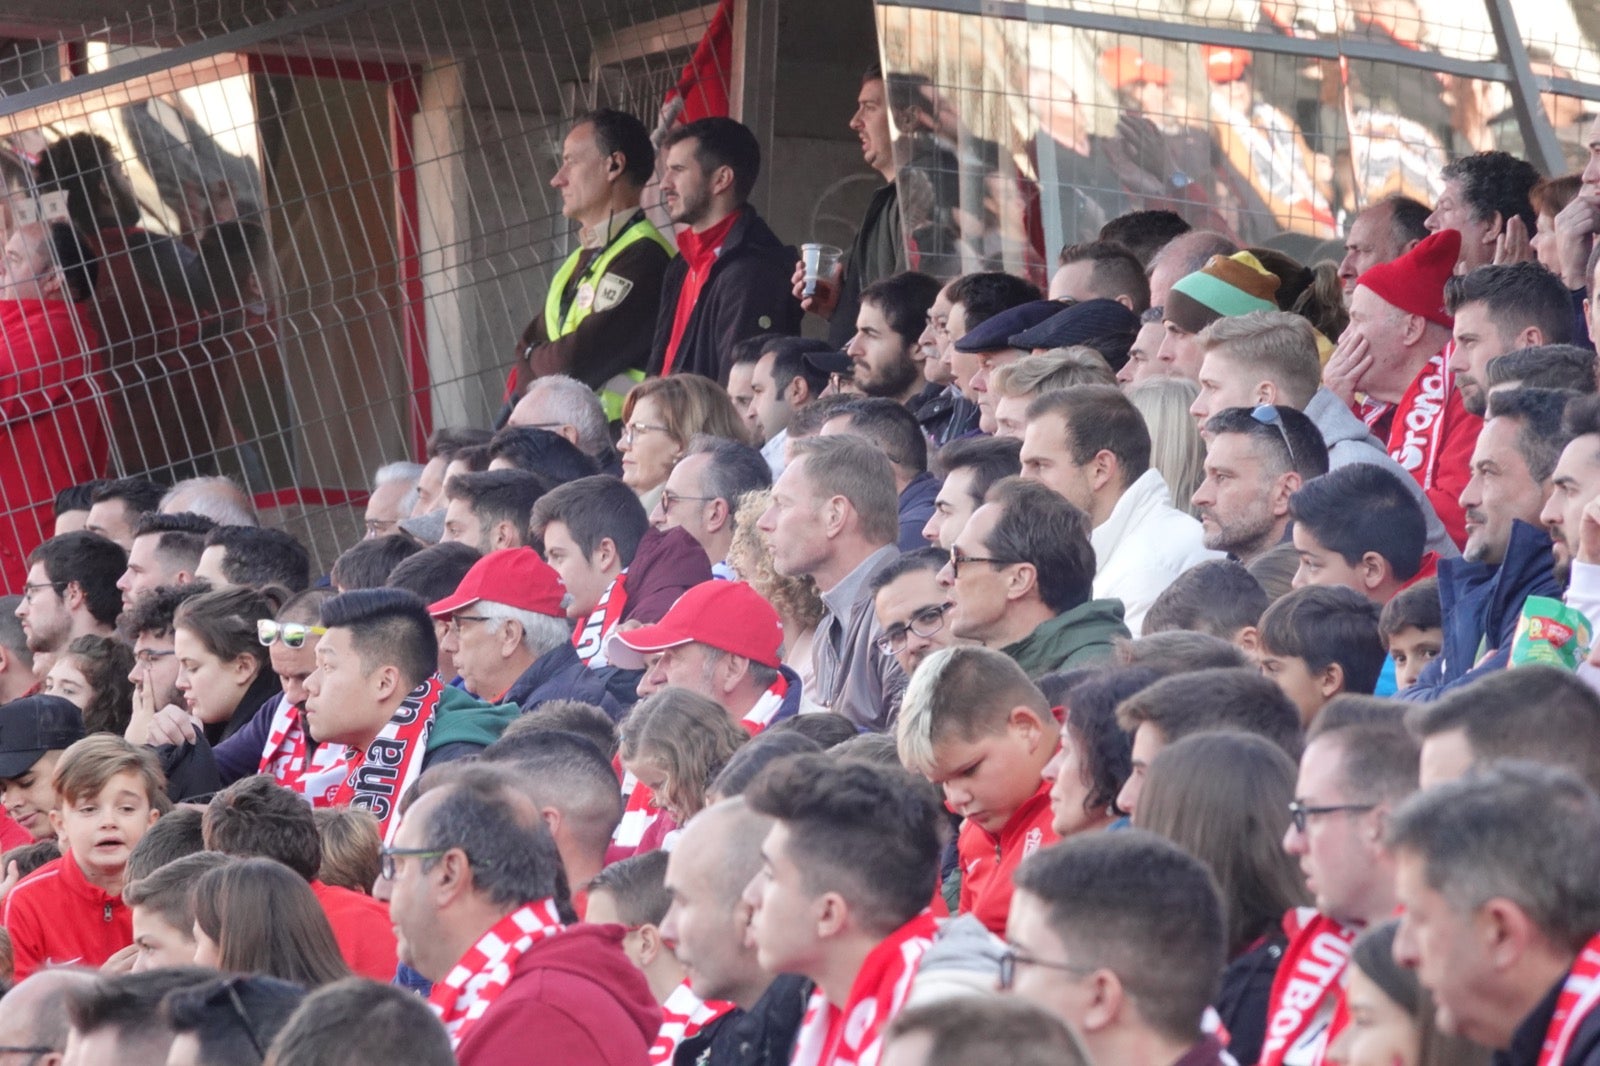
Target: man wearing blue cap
(990,343)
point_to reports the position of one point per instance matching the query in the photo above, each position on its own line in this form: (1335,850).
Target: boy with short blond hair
(71,910)
(973,724)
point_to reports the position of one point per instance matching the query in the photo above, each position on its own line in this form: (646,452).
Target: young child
(108,792)
(1360,527)
(1319,642)
(163,913)
(973,724)
(1412,628)
(34,731)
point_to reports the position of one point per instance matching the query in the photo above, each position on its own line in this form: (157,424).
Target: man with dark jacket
(731,278)
(507,631)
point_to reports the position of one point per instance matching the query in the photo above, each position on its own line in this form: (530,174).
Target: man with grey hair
(1499,880)
(221,499)
(703,493)
(506,629)
(394,494)
(567,406)
(1184,255)
(34,1013)
(835,517)
(473,878)
(16,660)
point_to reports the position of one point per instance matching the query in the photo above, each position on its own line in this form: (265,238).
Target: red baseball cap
(1126,66)
(516,577)
(727,615)
(1224,65)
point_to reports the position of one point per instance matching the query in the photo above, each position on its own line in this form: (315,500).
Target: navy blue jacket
(916,507)
(559,674)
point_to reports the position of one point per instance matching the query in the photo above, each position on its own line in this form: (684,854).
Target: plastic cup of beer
(820,261)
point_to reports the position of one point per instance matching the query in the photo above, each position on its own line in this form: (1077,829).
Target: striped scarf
(471,986)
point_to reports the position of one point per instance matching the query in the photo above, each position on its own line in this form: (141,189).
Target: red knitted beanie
(1415,282)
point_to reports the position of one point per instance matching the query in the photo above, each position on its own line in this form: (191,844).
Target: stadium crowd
(1186,665)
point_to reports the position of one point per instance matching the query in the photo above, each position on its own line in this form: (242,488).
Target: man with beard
(71,591)
(1500,309)
(889,325)
(1572,513)
(895,432)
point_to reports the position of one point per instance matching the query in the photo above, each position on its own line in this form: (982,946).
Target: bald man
(34,1013)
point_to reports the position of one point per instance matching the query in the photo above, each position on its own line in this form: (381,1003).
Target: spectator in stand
(974,299)
(974,725)
(991,345)
(490,510)
(1090,445)
(246,555)
(566,406)
(1270,357)
(1317,643)
(1146,358)
(912,608)
(92,675)
(397,1026)
(703,491)
(349,848)
(721,640)
(1104,325)
(1499,309)
(1256,459)
(632,894)
(1017,384)
(889,322)
(117,1017)
(893,430)
(971,467)
(394,494)
(1224,798)
(1021,577)
(1177,451)
(796,599)
(1218,598)
(442,446)
(52,428)
(1185,254)
(34,732)
(108,793)
(731,277)
(1138,920)
(165,550)
(16,661)
(1484,195)
(119,505)
(587,326)
(368,563)
(1351,780)
(834,819)
(256,817)
(256,916)
(1202,701)
(879,250)
(71,591)
(1179,651)
(1227,286)
(507,633)
(1412,630)
(1381,233)
(221,499)
(1507,556)
(1393,352)
(740,374)
(1094,760)
(1558,726)
(474,874)
(835,518)
(973,1030)
(1549,198)
(148,628)
(162,904)
(72,506)
(783,382)
(660,419)
(1463,852)
(432,574)
(1144,233)
(227,1020)
(35,1015)
(674,743)
(1100,270)
(1548,366)
(539,451)
(1359,527)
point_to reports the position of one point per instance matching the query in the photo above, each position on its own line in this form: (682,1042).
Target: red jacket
(362,928)
(987,861)
(55,917)
(53,435)
(574,999)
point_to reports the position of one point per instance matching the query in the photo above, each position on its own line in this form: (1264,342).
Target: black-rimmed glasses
(386,857)
(957,561)
(925,623)
(1012,958)
(1300,814)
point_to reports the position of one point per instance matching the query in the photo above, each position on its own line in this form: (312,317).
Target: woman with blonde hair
(676,742)
(796,599)
(1175,445)
(660,417)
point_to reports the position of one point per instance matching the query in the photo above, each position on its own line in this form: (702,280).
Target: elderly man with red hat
(506,628)
(724,641)
(1396,352)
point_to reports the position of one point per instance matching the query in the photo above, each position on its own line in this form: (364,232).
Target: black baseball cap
(830,362)
(33,725)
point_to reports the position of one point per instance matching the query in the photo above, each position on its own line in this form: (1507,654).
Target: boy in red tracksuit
(972,723)
(70,911)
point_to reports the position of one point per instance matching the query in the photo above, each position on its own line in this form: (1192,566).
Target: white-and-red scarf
(316,776)
(1417,432)
(683,1015)
(1306,991)
(375,779)
(1579,994)
(853,1035)
(589,637)
(470,988)
(767,707)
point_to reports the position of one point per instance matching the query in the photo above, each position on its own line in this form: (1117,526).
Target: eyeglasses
(1012,958)
(34,1052)
(1268,415)
(957,561)
(925,623)
(229,988)
(148,658)
(631,431)
(453,625)
(1300,814)
(386,857)
(293,634)
(670,499)
(29,590)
